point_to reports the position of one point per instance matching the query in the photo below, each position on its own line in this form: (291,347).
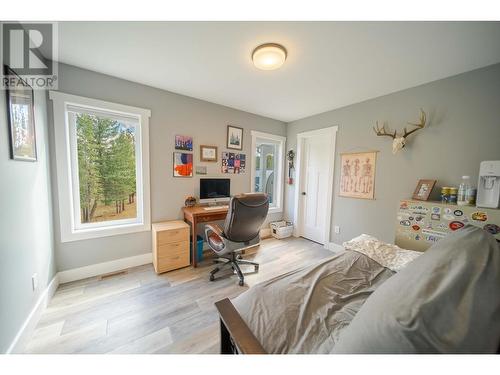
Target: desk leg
(194,243)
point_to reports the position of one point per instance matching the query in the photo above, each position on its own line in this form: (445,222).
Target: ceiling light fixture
(269,56)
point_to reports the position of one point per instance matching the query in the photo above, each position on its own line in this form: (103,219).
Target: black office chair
(244,219)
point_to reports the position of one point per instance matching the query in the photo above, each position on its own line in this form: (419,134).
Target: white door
(313,194)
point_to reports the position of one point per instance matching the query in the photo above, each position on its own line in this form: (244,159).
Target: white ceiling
(329,64)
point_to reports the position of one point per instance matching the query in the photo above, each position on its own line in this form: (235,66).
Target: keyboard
(211,208)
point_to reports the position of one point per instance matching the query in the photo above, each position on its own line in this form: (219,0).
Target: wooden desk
(197,214)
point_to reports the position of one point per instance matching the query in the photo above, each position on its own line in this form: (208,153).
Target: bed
(320,308)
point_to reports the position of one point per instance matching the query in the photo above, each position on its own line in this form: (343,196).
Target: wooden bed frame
(235,336)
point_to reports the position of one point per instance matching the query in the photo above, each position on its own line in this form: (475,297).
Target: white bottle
(462,191)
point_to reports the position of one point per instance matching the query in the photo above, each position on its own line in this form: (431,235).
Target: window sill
(93,233)
(275,210)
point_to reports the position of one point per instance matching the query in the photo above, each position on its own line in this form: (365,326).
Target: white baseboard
(26,330)
(103,268)
(332,246)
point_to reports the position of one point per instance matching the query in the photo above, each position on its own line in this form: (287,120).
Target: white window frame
(67,179)
(279,181)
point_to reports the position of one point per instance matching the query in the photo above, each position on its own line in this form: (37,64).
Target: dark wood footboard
(235,336)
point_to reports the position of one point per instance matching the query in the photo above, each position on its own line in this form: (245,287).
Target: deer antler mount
(399,140)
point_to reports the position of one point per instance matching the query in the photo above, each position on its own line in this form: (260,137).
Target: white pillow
(387,255)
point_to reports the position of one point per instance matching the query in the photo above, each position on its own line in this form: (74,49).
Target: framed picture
(234,137)
(21,120)
(184,143)
(201,169)
(357,178)
(208,153)
(233,163)
(183,164)
(423,189)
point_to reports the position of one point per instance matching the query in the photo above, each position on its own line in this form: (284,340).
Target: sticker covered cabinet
(421,223)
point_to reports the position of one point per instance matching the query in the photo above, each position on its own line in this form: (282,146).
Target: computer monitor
(215,189)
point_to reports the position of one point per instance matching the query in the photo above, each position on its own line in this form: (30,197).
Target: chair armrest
(213,228)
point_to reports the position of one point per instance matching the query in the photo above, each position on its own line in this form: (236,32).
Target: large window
(267,167)
(103,167)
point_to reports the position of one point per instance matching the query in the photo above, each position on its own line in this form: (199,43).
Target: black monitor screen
(211,188)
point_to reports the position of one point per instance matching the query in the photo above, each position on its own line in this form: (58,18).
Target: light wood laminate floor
(141,312)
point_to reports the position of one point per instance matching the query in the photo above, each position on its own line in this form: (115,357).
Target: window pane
(106,168)
(265,169)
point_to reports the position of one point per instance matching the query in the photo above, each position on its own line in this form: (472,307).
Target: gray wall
(463,129)
(171,114)
(26,239)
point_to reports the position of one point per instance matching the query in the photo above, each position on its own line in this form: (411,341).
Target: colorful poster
(233,163)
(183,164)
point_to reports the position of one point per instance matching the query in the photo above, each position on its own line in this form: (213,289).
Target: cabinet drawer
(172,235)
(173,261)
(175,248)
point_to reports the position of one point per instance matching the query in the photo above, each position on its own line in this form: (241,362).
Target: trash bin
(199,248)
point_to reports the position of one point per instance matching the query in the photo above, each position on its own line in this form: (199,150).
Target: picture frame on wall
(234,137)
(21,118)
(423,190)
(357,179)
(183,164)
(208,153)
(184,143)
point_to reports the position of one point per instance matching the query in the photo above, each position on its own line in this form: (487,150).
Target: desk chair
(244,219)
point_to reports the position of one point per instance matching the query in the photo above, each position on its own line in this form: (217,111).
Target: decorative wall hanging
(208,153)
(399,140)
(357,178)
(423,189)
(183,164)
(233,163)
(234,138)
(21,119)
(184,143)
(200,169)
(290,156)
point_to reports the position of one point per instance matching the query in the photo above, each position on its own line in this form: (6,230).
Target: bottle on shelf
(462,191)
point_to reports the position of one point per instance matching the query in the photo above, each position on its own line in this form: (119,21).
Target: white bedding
(387,255)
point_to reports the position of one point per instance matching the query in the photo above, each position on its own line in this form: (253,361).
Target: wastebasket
(199,248)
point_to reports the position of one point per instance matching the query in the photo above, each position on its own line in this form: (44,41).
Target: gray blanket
(305,310)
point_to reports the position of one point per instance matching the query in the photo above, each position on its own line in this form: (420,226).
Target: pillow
(387,255)
(446,301)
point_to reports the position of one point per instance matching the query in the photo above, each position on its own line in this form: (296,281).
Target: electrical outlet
(34,281)
(336,228)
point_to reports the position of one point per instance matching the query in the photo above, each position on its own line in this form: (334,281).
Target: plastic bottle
(462,191)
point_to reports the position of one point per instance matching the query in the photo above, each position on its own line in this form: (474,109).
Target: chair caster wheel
(212,277)
(241,283)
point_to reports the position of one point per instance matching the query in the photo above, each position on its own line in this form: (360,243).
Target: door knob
(303,193)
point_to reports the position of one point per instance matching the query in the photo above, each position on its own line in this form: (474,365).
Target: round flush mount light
(269,56)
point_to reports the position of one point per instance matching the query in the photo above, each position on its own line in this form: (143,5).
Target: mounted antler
(382,132)
(420,125)
(399,141)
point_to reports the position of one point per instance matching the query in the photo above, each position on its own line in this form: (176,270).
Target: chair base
(234,261)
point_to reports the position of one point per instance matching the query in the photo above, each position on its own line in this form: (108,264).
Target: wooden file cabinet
(170,245)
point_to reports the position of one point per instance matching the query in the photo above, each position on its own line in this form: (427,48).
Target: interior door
(314,187)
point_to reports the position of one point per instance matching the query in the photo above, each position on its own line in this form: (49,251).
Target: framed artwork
(233,163)
(423,189)
(208,153)
(184,143)
(183,164)
(21,120)
(201,169)
(357,178)
(234,137)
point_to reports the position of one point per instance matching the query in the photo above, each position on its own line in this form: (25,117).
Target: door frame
(330,132)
